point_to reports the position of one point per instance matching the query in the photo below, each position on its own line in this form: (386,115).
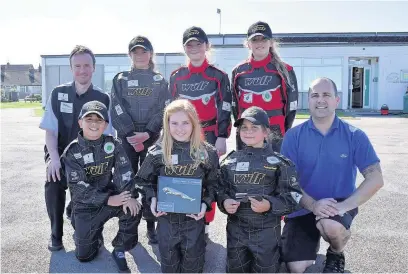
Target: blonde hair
(276,60)
(197,149)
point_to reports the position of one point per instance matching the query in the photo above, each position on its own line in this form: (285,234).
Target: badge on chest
(242,166)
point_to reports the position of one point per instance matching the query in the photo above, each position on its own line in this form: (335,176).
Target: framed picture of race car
(179,194)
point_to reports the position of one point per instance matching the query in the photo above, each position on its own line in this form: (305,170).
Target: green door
(367,82)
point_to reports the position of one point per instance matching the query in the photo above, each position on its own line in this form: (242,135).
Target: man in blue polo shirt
(327,152)
(60,122)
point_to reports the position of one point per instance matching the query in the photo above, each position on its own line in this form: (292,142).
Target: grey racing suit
(139,97)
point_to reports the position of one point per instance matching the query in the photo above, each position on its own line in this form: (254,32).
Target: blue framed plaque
(179,194)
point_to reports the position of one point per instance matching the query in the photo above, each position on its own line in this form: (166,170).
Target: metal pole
(219,12)
(220,22)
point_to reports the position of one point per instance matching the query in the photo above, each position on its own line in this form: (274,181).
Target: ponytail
(152,64)
(276,60)
(278,63)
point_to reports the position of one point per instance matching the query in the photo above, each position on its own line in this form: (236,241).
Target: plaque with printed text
(179,194)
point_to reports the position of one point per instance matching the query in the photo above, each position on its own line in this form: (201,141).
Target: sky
(30,28)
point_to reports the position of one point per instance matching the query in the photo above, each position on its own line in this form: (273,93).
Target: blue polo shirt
(327,165)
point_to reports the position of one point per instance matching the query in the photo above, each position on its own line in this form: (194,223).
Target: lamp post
(219,12)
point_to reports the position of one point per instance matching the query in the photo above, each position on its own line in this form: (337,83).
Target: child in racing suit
(181,153)
(258,186)
(98,194)
(208,89)
(266,82)
(138,100)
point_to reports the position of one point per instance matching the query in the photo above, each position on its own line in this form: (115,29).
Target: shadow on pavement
(217,255)
(144,261)
(66,262)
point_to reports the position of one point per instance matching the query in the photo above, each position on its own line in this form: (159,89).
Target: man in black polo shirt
(60,121)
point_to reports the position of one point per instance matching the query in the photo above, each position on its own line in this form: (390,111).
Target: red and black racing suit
(208,89)
(259,83)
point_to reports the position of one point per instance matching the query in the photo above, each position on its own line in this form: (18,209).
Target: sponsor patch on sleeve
(273,160)
(157,77)
(118,109)
(83,183)
(226,106)
(121,76)
(296,196)
(122,160)
(156,152)
(73,176)
(126,176)
(293,105)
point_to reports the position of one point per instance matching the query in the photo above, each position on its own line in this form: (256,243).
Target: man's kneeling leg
(336,231)
(300,242)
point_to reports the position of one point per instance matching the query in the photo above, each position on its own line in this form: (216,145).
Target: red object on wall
(384,110)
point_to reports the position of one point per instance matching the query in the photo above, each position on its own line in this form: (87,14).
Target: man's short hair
(325,79)
(82,50)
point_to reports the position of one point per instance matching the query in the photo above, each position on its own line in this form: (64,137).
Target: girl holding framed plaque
(180,177)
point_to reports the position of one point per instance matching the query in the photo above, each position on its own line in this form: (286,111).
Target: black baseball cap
(140,41)
(194,33)
(255,115)
(259,28)
(95,107)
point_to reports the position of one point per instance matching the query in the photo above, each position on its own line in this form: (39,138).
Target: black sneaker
(120,260)
(55,245)
(152,236)
(335,262)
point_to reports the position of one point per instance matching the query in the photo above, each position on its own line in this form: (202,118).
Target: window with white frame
(309,69)
(312,73)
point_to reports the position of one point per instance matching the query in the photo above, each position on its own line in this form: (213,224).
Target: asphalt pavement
(379,241)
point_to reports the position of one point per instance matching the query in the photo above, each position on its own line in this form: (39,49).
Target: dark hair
(328,80)
(81,50)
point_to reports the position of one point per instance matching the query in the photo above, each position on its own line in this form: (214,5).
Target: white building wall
(392,59)
(387,90)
